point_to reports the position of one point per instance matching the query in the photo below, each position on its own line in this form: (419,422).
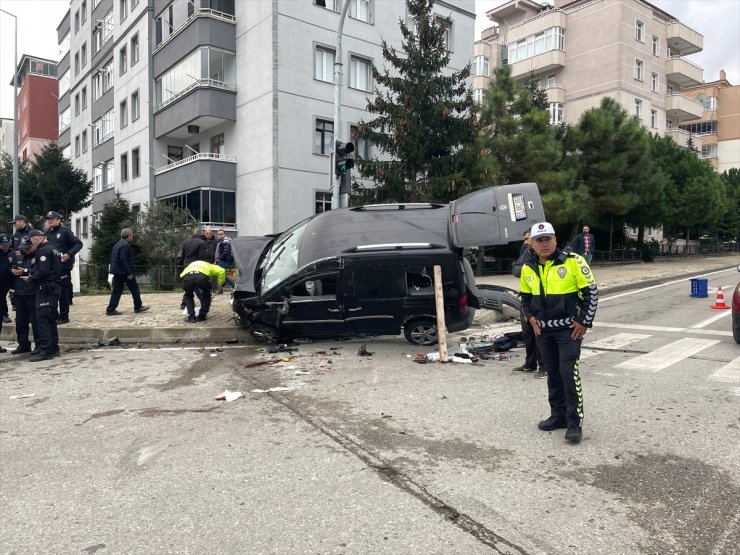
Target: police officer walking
(559,299)
(24,297)
(68,246)
(45,276)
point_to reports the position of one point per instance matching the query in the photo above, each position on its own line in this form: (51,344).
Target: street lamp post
(337,200)
(15,113)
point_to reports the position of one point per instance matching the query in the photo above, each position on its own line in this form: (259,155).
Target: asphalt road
(126,451)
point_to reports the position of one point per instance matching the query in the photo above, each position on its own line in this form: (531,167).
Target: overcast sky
(717,20)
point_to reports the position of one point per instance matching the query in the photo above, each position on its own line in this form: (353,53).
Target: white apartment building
(224,106)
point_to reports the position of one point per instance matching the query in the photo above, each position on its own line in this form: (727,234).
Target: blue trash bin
(699,288)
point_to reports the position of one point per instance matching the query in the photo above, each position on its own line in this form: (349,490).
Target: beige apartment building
(584,50)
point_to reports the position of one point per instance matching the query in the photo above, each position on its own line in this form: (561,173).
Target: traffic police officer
(24,296)
(196,279)
(68,246)
(559,299)
(46,276)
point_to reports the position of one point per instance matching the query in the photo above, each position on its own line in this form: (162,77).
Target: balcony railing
(195,158)
(200,12)
(686,60)
(200,83)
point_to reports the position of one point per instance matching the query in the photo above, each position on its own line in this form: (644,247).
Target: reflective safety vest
(205,268)
(559,292)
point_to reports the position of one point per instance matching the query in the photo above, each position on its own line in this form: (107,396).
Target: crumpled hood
(247,253)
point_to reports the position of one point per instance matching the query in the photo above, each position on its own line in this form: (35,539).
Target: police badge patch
(561,272)
(59,235)
(584,270)
(43,259)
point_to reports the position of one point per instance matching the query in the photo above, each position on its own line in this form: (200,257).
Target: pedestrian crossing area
(662,357)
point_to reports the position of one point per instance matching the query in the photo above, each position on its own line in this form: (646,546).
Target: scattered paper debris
(271,390)
(229,396)
(24,396)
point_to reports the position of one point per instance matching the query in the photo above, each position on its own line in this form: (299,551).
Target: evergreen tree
(729,227)
(107,231)
(424,118)
(162,231)
(57,184)
(28,203)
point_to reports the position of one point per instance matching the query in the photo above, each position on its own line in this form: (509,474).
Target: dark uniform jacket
(47,265)
(65,242)
(18,236)
(122,259)
(19,259)
(559,292)
(5,276)
(193,249)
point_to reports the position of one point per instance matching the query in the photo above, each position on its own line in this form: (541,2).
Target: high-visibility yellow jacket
(559,292)
(205,268)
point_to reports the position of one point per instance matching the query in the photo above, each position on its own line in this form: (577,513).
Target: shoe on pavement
(523,368)
(541,374)
(552,423)
(3,350)
(40,356)
(142,309)
(20,350)
(201,317)
(62,321)
(57,353)
(573,434)
(113,313)
(36,351)
(191,319)
(6,319)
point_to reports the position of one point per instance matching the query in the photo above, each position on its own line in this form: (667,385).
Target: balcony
(681,137)
(200,170)
(555,93)
(536,24)
(205,103)
(541,63)
(683,72)
(682,108)
(683,40)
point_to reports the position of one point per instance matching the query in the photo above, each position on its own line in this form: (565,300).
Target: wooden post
(441,328)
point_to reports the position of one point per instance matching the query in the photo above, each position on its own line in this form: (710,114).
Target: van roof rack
(395,246)
(398,206)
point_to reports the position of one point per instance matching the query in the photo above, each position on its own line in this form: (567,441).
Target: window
(123,10)
(701,128)
(64,45)
(103,128)
(656,46)
(136,213)
(323,137)
(708,102)
(638,69)
(206,66)
(360,9)
(638,108)
(482,67)
(362,146)
(97,39)
(124,166)
(640,31)
(77,145)
(77,104)
(83,54)
(174,153)
(64,120)
(654,82)
(98,178)
(322,202)
(550,80)
(108,174)
(106,27)
(654,118)
(83,11)
(135,163)
(77,21)
(134,3)
(84,141)
(328,4)
(123,114)
(122,60)
(359,76)
(107,74)
(709,151)
(135,111)
(84,227)
(556,113)
(208,205)
(164,25)
(533,45)
(84,97)
(324,64)
(67,152)
(77,62)
(478,96)
(446,23)
(78,227)
(64,83)
(134,49)
(217,144)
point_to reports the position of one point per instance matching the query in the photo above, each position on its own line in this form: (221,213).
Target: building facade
(224,107)
(584,50)
(7,128)
(38,91)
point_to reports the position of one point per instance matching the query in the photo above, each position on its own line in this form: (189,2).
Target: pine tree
(162,231)
(28,203)
(107,231)
(424,121)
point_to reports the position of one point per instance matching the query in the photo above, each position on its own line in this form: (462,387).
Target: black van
(369,269)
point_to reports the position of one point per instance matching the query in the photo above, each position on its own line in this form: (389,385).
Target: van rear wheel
(265,334)
(421,332)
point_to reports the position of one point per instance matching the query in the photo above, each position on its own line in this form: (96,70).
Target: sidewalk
(164,323)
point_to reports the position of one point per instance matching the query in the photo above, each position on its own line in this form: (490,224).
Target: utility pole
(336,198)
(16,200)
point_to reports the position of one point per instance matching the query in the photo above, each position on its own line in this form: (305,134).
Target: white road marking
(611,343)
(669,354)
(612,297)
(710,320)
(728,373)
(661,328)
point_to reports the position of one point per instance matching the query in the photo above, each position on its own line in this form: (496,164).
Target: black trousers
(560,354)
(533,357)
(47,298)
(25,314)
(4,300)
(65,293)
(199,285)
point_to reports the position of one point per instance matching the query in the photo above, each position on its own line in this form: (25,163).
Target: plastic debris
(23,396)
(229,396)
(271,390)
(93,345)
(301,373)
(114,341)
(363,352)
(231,341)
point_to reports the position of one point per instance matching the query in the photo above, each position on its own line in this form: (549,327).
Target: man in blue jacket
(122,268)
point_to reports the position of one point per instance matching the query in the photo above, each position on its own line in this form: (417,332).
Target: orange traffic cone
(719,304)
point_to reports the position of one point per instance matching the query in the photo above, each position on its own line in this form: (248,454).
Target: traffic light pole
(337,200)
(16,195)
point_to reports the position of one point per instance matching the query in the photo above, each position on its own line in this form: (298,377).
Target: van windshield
(282,260)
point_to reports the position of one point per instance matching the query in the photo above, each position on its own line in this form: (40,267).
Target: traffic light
(343,157)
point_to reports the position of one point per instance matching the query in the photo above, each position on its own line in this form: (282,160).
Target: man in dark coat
(211,244)
(122,268)
(24,297)
(46,277)
(68,246)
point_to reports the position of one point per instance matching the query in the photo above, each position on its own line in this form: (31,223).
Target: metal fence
(156,278)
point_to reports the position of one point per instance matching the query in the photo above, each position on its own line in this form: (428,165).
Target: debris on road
(271,390)
(23,396)
(363,352)
(229,396)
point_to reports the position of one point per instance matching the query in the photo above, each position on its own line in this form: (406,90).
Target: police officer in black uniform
(4,278)
(22,227)
(46,276)
(24,296)
(68,246)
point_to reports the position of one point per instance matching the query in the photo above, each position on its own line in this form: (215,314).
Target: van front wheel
(265,334)
(421,332)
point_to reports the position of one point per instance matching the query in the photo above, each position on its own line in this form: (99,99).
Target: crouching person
(196,281)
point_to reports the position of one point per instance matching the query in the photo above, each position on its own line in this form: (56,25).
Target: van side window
(325,287)
(419,281)
(380,283)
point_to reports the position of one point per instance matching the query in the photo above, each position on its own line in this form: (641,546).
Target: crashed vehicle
(368,270)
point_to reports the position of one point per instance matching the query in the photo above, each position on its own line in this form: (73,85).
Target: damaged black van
(368,270)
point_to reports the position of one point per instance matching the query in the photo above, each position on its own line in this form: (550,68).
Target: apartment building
(7,128)
(38,90)
(224,107)
(584,50)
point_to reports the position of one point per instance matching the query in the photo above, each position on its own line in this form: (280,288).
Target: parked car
(736,311)
(369,269)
